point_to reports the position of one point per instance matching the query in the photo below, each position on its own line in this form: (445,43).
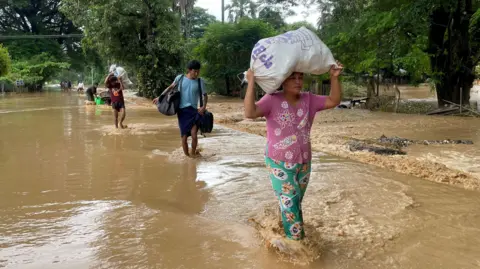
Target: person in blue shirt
(192,88)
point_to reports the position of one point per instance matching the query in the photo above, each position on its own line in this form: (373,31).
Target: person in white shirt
(80,87)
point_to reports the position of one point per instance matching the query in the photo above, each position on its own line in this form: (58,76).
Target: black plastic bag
(206,125)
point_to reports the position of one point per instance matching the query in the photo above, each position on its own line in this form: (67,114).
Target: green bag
(99,101)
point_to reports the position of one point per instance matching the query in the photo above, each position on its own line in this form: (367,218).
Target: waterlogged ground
(455,165)
(76,193)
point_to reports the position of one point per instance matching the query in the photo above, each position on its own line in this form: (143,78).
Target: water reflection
(176,191)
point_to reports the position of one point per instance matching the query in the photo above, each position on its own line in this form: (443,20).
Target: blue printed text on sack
(259,52)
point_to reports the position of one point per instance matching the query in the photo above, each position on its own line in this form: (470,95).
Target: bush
(225,51)
(352,89)
(5,62)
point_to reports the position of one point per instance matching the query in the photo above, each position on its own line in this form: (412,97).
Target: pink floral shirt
(288,126)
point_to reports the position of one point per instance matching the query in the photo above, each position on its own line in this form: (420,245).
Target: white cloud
(214,7)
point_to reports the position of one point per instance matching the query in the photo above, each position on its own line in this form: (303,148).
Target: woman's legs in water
(115,117)
(289,181)
(119,108)
(124,113)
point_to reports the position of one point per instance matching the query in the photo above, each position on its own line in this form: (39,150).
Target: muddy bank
(335,129)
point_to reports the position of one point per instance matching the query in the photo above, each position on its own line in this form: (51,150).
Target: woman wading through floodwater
(290,114)
(115,88)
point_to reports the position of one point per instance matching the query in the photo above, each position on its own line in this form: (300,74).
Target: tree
(241,8)
(226,48)
(453,45)
(436,38)
(5,63)
(363,46)
(272,16)
(184,8)
(35,71)
(33,17)
(143,35)
(42,17)
(197,21)
(223,11)
(296,25)
(283,7)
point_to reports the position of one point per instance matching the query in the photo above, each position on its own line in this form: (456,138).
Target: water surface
(76,193)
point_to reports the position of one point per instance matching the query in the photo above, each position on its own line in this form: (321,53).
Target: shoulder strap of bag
(201,102)
(200,91)
(180,80)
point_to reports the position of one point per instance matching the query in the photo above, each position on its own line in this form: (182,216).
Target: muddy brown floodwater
(75,193)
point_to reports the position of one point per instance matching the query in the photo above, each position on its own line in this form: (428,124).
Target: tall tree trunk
(466,72)
(451,58)
(438,21)
(187,24)
(371,101)
(223,11)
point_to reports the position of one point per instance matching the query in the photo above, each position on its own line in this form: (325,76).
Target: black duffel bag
(169,101)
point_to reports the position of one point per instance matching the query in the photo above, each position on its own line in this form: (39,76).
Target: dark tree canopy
(272,16)
(143,35)
(41,17)
(197,21)
(436,39)
(34,17)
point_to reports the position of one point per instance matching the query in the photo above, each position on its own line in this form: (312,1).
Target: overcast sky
(214,7)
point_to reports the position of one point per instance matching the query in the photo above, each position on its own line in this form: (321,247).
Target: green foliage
(188,51)
(379,38)
(352,89)
(239,9)
(5,62)
(474,31)
(225,49)
(197,21)
(42,17)
(142,35)
(23,49)
(368,35)
(39,17)
(284,3)
(272,16)
(296,25)
(34,17)
(36,71)
(283,6)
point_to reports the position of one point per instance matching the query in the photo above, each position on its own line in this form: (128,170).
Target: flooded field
(76,193)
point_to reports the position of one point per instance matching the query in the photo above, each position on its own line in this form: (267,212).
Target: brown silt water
(76,193)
